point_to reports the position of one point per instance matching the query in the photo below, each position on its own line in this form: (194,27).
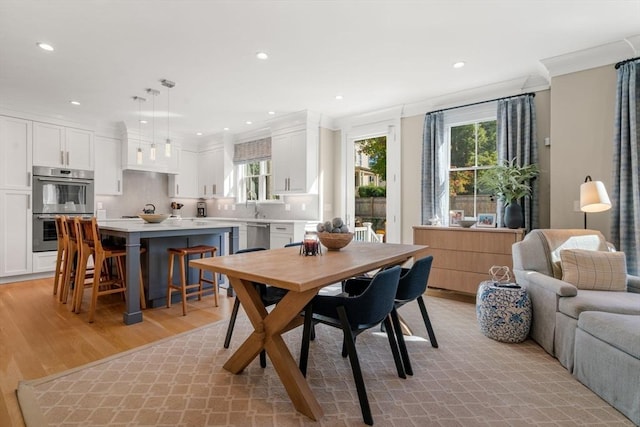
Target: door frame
(390,128)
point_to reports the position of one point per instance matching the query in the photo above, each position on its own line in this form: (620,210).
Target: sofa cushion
(594,270)
(618,330)
(609,302)
(557,240)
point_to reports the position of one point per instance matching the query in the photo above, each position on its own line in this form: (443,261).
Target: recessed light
(271,113)
(199,133)
(225,129)
(45,46)
(74,102)
(458,64)
(262,55)
(144,122)
(249,122)
(339,97)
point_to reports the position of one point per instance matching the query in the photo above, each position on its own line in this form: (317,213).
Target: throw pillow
(594,270)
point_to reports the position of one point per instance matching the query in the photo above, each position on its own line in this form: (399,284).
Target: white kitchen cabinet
(294,160)
(16,229)
(185,182)
(15,153)
(44,261)
(282,233)
(62,147)
(108,170)
(211,173)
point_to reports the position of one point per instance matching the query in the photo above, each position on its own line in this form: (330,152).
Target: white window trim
(486,111)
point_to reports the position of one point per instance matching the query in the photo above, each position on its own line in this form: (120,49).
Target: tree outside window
(473,149)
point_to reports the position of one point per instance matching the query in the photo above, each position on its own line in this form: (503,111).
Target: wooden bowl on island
(154,218)
(335,241)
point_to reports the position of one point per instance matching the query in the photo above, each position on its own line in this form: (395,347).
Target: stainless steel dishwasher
(258,235)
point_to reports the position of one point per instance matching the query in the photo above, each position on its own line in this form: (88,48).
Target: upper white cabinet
(211,173)
(60,147)
(185,182)
(15,153)
(294,156)
(108,171)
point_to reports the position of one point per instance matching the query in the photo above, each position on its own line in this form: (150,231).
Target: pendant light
(167,146)
(152,151)
(139,152)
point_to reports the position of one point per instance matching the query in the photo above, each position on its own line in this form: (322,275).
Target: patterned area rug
(470,380)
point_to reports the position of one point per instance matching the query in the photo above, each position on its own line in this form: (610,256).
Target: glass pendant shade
(139,156)
(167,148)
(152,151)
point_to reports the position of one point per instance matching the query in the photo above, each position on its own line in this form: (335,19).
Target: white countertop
(109,221)
(132,225)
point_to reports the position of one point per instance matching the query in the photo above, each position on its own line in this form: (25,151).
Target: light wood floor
(40,337)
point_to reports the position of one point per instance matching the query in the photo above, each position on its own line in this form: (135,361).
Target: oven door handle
(65,180)
(45,216)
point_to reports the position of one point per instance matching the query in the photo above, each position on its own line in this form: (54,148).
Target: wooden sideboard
(462,257)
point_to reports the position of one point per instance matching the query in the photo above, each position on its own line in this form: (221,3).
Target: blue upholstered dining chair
(354,315)
(413,284)
(270,295)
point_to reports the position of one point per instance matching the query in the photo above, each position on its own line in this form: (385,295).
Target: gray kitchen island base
(157,238)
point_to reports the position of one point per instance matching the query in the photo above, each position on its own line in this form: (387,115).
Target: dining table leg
(267,335)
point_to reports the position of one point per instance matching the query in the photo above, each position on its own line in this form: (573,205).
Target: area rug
(470,380)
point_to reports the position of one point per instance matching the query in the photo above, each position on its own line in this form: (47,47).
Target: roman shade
(252,151)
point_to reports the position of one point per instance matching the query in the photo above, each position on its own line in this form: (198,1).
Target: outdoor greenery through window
(473,149)
(256,181)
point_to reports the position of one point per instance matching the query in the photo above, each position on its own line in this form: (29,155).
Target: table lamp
(593,197)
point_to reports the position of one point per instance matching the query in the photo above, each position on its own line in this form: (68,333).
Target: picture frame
(487,220)
(454,217)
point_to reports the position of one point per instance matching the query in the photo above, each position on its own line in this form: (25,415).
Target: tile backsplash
(140,188)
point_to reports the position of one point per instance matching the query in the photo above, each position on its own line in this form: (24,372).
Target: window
(256,181)
(473,149)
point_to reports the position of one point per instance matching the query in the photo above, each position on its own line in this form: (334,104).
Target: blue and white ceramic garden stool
(504,313)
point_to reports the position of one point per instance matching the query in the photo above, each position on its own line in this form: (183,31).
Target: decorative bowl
(467,222)
(335,241)
(154,218)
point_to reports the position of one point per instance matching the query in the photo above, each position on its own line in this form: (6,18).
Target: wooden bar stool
(62,255)
(103,282)
(183,258)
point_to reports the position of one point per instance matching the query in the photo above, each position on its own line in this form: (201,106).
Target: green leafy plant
(508,180)
(372,191)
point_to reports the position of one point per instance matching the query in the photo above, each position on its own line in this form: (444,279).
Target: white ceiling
(376,54)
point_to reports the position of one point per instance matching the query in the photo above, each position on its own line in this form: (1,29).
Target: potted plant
(509,182)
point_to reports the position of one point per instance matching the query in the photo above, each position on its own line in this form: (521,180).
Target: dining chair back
(412,286)
(354,315)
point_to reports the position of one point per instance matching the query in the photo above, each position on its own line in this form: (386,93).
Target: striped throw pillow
(594,270)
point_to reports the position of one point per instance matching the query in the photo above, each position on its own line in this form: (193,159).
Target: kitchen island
(157,238)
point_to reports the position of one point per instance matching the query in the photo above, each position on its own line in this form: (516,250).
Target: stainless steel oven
(58,192)
(62,191)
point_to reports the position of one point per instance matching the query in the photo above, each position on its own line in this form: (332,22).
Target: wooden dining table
(303,276)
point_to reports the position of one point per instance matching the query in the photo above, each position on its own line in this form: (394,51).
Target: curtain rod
(482,102)
(619,64)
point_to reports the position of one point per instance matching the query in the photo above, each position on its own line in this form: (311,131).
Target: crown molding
(513,87)
(593,57)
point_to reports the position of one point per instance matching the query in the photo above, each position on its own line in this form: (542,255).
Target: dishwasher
(258,235)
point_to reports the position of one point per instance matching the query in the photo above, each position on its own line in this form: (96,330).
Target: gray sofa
(595,334)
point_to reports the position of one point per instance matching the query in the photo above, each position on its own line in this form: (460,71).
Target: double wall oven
(58,192)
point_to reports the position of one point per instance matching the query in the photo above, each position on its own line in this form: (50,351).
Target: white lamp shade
(594,197)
